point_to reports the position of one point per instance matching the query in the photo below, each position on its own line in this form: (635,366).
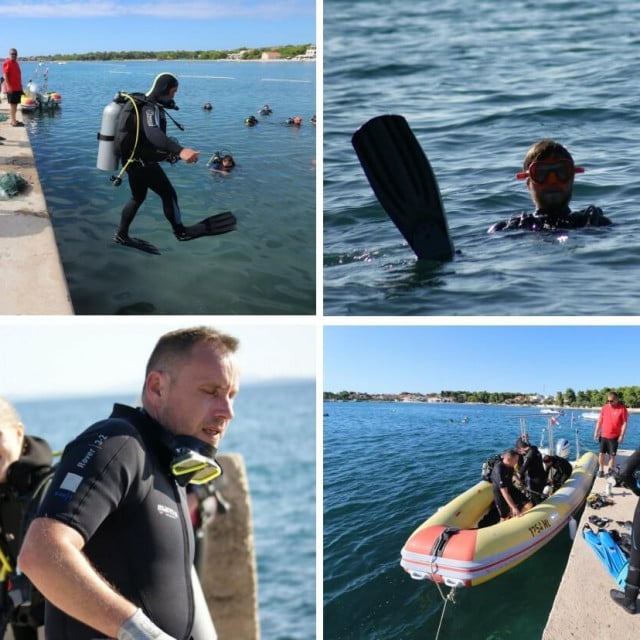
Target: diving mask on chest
(193,461)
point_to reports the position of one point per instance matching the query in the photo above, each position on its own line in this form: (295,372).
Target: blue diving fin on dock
(609,553)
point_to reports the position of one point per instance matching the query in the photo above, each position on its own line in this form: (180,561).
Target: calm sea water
(387,467)
(274,430)
(479,82)
(267,266)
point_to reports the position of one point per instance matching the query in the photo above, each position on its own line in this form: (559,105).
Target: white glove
(139,627)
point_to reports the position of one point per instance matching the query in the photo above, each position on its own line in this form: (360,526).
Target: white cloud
(188,9)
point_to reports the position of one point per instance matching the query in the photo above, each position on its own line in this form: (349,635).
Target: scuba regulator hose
(117,180)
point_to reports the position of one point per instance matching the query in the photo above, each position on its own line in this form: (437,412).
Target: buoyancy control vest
(129,133)
(27,481)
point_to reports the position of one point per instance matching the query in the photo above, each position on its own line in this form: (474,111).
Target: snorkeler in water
(549,171)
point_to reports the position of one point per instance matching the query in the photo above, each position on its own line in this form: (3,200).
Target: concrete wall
(229,580)
(33,281)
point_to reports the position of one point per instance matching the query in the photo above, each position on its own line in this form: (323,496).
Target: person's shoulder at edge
(590,216)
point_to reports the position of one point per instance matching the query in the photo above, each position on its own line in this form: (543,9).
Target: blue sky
(76,356)
(45,27)
(543,359)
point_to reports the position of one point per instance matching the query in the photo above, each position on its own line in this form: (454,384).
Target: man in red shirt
(610,430)
(13,85)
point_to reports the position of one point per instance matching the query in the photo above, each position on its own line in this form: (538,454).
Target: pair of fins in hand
(211,226)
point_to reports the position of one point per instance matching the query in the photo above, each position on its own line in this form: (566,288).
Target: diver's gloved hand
(139,627)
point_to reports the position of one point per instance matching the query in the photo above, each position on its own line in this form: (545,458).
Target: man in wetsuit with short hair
(558,470)
(550,171)
(112,546)
(532,473)
(509,500)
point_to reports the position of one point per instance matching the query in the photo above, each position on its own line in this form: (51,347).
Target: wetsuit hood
(35,460)
(159,92)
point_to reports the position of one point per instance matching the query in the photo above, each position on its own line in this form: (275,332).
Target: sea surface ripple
(479,83)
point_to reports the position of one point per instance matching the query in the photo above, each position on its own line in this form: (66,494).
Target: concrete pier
(33,281)
(583,607)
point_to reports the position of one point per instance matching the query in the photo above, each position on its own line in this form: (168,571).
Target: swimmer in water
(549,171)
(222,163)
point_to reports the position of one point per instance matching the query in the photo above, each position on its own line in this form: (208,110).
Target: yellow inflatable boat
(450,549)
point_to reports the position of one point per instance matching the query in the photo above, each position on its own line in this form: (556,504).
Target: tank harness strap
(441,541)
(131,159)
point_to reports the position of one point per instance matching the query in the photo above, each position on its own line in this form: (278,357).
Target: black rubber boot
(626,599)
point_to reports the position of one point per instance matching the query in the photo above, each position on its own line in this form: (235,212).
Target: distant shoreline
(125,60)
(479,404)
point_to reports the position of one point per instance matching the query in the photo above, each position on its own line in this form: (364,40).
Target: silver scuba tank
(563,448)
(107,158)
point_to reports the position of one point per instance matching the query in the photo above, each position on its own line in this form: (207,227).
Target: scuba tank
(107,158)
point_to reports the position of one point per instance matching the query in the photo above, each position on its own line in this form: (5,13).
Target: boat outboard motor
(563,448)
(107,158)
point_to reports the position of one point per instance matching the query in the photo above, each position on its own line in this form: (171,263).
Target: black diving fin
(137,243)
(211,226)
(404,183)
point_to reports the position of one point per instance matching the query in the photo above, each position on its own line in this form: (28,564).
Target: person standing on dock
(627,599)
(610,430)
(13,86)
(112,547)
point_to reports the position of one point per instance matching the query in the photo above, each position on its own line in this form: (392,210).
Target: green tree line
(568,398)
(286,51)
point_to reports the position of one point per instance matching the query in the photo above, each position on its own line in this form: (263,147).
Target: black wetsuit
(114,487)
(631,482)
(559,472)
(538,221)
(532,472)
(155,146)
(502,478)
(24,477)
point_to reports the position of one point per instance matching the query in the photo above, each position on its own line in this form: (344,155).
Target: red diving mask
(539,171)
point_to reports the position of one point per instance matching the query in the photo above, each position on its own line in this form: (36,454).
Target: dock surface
(582,607)
(33,280)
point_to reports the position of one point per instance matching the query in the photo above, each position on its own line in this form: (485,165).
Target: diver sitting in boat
(532,473)
(510,501)
(558,471)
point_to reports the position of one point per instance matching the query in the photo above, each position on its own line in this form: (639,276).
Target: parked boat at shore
(451,549)
(36,97)
(464,544)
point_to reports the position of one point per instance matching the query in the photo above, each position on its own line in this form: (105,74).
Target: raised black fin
(404,183)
